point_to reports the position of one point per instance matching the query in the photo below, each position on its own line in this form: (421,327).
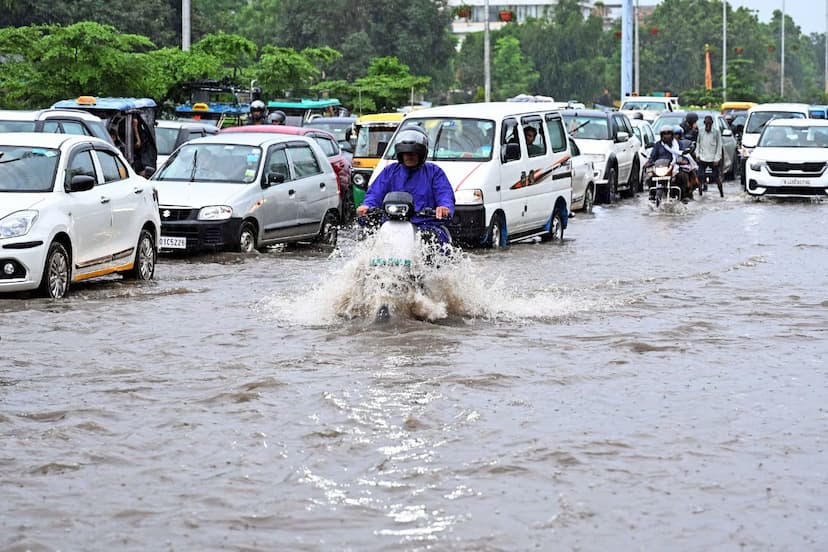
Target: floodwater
(655,382)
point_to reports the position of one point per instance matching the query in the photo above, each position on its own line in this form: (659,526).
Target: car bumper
(761,183)
(27,256)
(468,225)
(200,235)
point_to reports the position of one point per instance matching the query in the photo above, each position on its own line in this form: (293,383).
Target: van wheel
(56,272)
(247,238)
(329,232)
(143,268)
(496,239)
(556,228)
(589,199)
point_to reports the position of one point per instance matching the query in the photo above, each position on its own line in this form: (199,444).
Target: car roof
(277,129)
(589,113)
(322,120)
(395,117)
(250,138)
(40,114)
(164,123)
(803,107)
(482,110)
(119,104)
(47,139)
(798,122)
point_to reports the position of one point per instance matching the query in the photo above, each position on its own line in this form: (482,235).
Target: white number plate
(172,242)
(795,182)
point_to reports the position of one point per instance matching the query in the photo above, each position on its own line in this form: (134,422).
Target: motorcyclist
(690,167)
(668,148)
(690,126)
(277,117)
(258,113)
(426,182)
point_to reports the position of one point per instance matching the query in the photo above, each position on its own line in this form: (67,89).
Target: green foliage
(512,72)
(233,51)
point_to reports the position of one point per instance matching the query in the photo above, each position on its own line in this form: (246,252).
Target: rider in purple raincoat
(426,182)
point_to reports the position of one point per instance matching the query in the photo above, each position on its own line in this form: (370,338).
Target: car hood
(197,194)
(11,202)
(790,155)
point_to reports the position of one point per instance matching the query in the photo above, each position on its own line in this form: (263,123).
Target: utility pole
(487,62)
(782,62)
(637,88)
(626,49)
(185,25)
(826,46)
(724,50)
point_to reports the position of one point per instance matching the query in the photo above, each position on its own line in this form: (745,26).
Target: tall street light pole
(826,46)
(782,62)
(724,50)
(487,66)
(626,49)
(185,25)
(637,88)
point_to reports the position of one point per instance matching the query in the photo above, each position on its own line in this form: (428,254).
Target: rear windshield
(227,163)
(454,139)
(27,169)
(586,127)
(758,119)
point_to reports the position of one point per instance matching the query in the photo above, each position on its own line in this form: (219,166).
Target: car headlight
(756,165)
(468,197)
(17,224)
(215,212)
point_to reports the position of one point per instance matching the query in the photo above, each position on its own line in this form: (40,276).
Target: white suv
(71,208)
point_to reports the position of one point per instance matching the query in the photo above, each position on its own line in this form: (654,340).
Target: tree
(233,51)
(512,72)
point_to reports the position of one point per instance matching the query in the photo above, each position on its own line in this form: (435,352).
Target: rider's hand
(442,212)
(361,210)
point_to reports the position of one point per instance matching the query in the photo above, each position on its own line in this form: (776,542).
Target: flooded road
(657,381)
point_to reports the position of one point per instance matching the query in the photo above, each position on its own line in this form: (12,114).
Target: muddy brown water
(655,382)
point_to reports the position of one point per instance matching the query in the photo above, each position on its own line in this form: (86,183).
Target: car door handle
(291,192)
(105,199)
(321,185)
(138,191)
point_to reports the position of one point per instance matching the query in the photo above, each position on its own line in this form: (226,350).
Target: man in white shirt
(709,151)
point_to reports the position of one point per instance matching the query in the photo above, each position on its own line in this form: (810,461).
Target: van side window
(509,135)
(534,135)
(555,133)
(277,162)
(304,161)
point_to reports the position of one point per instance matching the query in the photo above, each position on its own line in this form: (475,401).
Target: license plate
(172,242)
(795,182)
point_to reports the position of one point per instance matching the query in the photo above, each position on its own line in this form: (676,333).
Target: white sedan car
(71,208)
(583,179)
(789,160)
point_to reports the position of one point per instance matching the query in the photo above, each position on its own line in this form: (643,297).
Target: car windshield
(27,168)
(669,122)
(226,163)
(337,129)
(587,127)
(758,119)
(454,139)
(371,140)
(644,106)
(789,136)
(165,140)
(17,126)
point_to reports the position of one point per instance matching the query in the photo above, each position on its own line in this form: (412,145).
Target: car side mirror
(274,178)
(727,132)
(80,183)
(622,136)
(511,152)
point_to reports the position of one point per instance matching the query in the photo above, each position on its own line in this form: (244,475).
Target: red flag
(708,73)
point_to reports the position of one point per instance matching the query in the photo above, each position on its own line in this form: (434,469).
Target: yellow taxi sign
(201,106)
(87,100)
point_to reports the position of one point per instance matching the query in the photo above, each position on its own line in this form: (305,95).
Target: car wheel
(633,182)
(495,237)
(143,268)
(56,272)
(589,199)
(329,232)
(611,193)
(556,228)
(247,238)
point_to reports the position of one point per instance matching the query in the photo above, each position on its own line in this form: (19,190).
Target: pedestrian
(709,151)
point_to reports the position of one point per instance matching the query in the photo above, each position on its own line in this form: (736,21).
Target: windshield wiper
(195,164)
(579,127)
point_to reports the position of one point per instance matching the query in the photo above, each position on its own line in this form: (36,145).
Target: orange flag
(708,73)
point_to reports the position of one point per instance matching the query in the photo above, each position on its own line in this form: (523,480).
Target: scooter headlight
(396,210)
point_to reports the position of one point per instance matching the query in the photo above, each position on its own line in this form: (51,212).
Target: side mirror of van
(511,152)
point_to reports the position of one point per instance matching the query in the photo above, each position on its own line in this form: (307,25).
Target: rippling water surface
(655,382)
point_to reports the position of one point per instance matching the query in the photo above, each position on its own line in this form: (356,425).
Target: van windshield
(27,169)
(758,119)
(225,163)
(454,139)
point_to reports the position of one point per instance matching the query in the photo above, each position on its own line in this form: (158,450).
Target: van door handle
(105,199)
(497,188)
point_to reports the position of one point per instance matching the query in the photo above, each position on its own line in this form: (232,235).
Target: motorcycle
(398,256)
(663,189)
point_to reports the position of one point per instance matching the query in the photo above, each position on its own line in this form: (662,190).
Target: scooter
(662,188)
(397,257)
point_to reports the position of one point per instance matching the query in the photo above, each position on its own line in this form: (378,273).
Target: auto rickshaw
(131,125)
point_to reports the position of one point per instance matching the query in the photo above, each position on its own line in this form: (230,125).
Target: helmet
(691,118)
(678,131)
(258,110)
(412,140)
(277,118)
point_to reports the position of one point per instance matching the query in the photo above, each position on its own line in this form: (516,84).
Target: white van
(504,188)
(758,116)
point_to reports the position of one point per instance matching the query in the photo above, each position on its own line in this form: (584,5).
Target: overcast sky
(809,15)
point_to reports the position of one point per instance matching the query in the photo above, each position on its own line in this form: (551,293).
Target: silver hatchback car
(246,191)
